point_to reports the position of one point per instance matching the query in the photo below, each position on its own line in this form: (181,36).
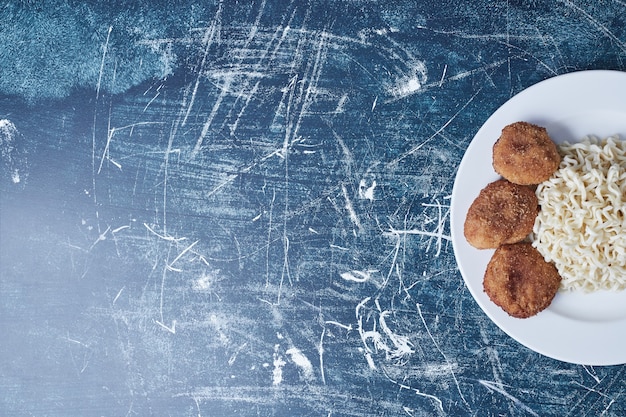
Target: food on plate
(525,154)
(576,218)
(502,213)
(520,281)
(581,227)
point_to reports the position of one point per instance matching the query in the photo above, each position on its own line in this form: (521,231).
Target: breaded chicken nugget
(525,154)
(502,213)
(520,281)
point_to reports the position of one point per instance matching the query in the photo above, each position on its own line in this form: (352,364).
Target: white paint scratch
(8,136)
(101,237)
(434,398)
(95,117)
(336,323)
(396,347)
(171,329)
(112,131)
(606,409)
(302,362)
(598,25)
(321,345)
(368,358)
(437,132)
(341,104)
(450,365)
(105,49)
(356,276)
(320,352)
(443,75)
(592,373)
(119,229)
(350,208)
(409,83)
(164,236)
(367,192)
(210,34)
(590,389)
(170,265)
(279,363)
(347,153)
(206,282)
(499,388)
(233,357)
(436,234)
(118,294)
(402,344)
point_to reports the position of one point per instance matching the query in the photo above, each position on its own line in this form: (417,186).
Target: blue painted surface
(217,209)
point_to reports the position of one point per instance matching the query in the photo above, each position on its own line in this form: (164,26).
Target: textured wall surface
(242,208)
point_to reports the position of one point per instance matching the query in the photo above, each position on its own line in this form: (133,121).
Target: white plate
(578,328)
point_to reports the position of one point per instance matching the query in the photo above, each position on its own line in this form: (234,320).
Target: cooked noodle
(581,227)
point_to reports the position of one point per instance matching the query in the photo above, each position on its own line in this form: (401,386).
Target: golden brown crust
(502,213)
(520,281)
(525,154)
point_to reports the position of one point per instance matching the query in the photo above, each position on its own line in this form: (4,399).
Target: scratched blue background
(241,208)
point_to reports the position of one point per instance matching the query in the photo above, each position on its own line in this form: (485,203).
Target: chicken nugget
(502,213)
(525,154)
(520,281)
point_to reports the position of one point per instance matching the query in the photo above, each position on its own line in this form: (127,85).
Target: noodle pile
(581,226)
